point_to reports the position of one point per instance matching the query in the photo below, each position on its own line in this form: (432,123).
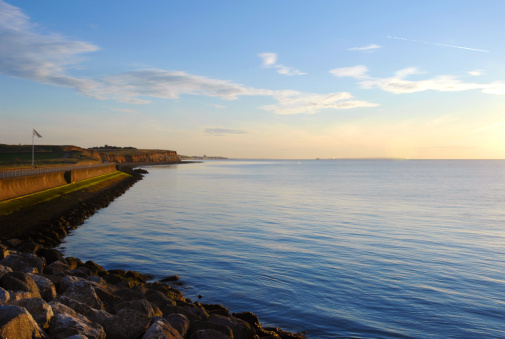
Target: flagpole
(33,149)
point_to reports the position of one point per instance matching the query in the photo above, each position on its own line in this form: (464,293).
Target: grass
(94,184)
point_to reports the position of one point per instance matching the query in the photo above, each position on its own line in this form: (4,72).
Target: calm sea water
(338,248)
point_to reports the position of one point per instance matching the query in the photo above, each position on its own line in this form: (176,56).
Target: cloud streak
(398,84)
(270,61)
(439,44)
(365,48)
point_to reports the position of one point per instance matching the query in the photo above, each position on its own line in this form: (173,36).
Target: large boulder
(83,292)
(4,296)
(240,328)
(19,261)
(56,267)
(199,325)
(143,306)
(4,269)
(50,255)
(97,316)
(19,281)
(16,322)
(38,308)
(161,329)
(127,324)
(46,286)
(66,322)
(179,322)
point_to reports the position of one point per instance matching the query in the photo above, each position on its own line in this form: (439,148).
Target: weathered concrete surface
(86,173)
(15,187)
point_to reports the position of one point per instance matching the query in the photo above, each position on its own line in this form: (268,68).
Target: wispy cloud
(223,131)
(270,61)
(365,48)
(359,71)
(47,58)
(399,84)
(439,44)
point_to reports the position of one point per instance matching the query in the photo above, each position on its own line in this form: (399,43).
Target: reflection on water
(338,248)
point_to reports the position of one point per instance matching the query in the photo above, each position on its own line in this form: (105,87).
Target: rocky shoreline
(45,295)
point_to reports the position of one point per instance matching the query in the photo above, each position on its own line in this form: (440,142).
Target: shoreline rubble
(46,295)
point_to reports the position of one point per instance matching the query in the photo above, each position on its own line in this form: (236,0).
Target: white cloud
(359,71)
(365,48)
(270,61)
(476,72)
(294,102)
(399,84)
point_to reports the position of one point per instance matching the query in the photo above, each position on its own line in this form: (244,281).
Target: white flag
(36,133)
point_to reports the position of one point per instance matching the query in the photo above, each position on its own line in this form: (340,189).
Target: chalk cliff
(159,156)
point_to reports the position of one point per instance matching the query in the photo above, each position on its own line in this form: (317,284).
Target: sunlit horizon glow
(284,79)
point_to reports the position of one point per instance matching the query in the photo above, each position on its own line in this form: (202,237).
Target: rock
(83,292)
(209,334)
(97,316)
(108,299)
(18,295)
(29,247)
(170,278)
(161,329)
(66,322)
(50,255)
(179,322)
(4,251)
(74,262)
(216,309)
(4,296)
(191,314)
(19,281)
(158,298)
(138,277)
(4,269)
(12,243)
(240,328)
(198,325)
(19,261)
(81,272)
(67,281)
(143,306)
(94,267)
(248,317)
(56,267)
(16,322)
(38,308)
(129,294)
(285,335)
(127,324)
(45,285)
(166,289)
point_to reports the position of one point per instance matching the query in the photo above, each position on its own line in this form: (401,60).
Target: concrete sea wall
(15,187)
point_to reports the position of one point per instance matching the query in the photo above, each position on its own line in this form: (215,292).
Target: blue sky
(257,79)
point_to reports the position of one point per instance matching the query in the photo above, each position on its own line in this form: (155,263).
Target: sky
(281,79)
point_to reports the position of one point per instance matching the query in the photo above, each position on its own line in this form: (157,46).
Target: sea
(336,248)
